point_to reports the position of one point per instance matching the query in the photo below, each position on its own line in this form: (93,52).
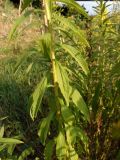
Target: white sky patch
(89,6)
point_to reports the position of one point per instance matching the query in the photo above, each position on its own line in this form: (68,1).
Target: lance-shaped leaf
(17,23)
(77,56)
(61,147)
(71,135)
(48,152)
(26,153)
(67,24)
(80,104)
(44,127)
(36,97)
(77,7)
(10,141)
(63,81)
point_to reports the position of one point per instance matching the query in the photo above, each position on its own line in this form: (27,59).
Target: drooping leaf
(17,23)
(10,141)
(80,104)
(74,4)
(48,152)
(36,97)
(63,81)
(67,24)
(44,127)
(77,56)
(71,137)
(25,153)
(61,147)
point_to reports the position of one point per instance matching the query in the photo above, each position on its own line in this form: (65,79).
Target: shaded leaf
(49,150)
(25,4)
(74,4)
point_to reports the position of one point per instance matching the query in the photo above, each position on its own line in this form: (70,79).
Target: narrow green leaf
(44,127)
(25,153)
(17,23)
(10,141)
(63,81)
(77,56)
(66,24)
(49,150)
(61,147)
(80,104)
(71,138)
(36,97)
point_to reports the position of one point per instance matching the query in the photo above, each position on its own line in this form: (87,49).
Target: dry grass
(27,36)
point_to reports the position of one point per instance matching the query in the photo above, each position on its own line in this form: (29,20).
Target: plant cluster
(60,95)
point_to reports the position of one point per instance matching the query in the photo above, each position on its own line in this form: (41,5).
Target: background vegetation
(59,82)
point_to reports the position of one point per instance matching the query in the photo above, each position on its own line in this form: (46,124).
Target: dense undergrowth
(59,83)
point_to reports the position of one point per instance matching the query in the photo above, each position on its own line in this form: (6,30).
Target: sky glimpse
(90,4)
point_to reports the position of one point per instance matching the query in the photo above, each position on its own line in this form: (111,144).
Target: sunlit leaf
(25,153)
(67,24)
(77,56)
(10,141)
(1,131)
(67,115)
(63,81)
(80,104)
(36,97)
(61,147)
(44,127)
